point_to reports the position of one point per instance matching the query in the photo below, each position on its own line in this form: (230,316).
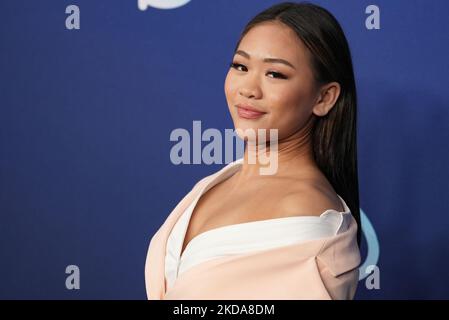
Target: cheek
(290,107)
(288,100)
(230,89)
(229,85)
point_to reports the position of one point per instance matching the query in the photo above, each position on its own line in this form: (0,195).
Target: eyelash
(280,75)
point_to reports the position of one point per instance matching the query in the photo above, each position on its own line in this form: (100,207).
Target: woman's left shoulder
(308,199)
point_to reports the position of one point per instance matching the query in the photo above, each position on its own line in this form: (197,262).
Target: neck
(293,154)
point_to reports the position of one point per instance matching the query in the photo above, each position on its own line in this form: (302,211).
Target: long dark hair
(334,135)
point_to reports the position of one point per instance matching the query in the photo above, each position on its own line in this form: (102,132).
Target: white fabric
(245,237)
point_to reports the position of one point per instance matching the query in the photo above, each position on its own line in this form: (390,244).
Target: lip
(249,112)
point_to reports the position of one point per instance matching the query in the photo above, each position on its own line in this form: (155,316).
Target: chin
(247,132)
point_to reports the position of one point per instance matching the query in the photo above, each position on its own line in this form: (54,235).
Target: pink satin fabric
(325,268)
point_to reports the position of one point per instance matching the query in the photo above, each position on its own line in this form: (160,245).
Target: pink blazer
(325,268)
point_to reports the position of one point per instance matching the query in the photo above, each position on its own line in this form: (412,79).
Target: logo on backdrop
(369,268)
(161,4)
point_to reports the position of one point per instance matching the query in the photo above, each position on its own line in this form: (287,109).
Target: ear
(327,97)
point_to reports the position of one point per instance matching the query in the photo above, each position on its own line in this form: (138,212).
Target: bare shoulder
(308,200)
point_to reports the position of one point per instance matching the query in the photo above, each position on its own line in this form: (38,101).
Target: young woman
(293,234)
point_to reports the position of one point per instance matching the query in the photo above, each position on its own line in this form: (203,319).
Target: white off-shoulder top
(245,237)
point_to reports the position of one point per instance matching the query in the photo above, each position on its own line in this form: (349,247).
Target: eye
(276,75)
(236,66)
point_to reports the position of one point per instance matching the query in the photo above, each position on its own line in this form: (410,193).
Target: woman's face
(284,91)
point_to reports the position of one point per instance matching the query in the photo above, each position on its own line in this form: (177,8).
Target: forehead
(273,39)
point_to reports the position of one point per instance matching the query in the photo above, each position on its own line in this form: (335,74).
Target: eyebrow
(270,60)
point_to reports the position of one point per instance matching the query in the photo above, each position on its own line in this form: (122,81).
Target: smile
(249,114)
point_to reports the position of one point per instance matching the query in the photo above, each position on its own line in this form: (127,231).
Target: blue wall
(86,115)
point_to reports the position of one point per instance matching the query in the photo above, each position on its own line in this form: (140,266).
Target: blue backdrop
(86,115)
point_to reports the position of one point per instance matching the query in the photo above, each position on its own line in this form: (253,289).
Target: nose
(250,89)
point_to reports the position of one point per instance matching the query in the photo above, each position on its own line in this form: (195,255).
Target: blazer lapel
(155,261)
